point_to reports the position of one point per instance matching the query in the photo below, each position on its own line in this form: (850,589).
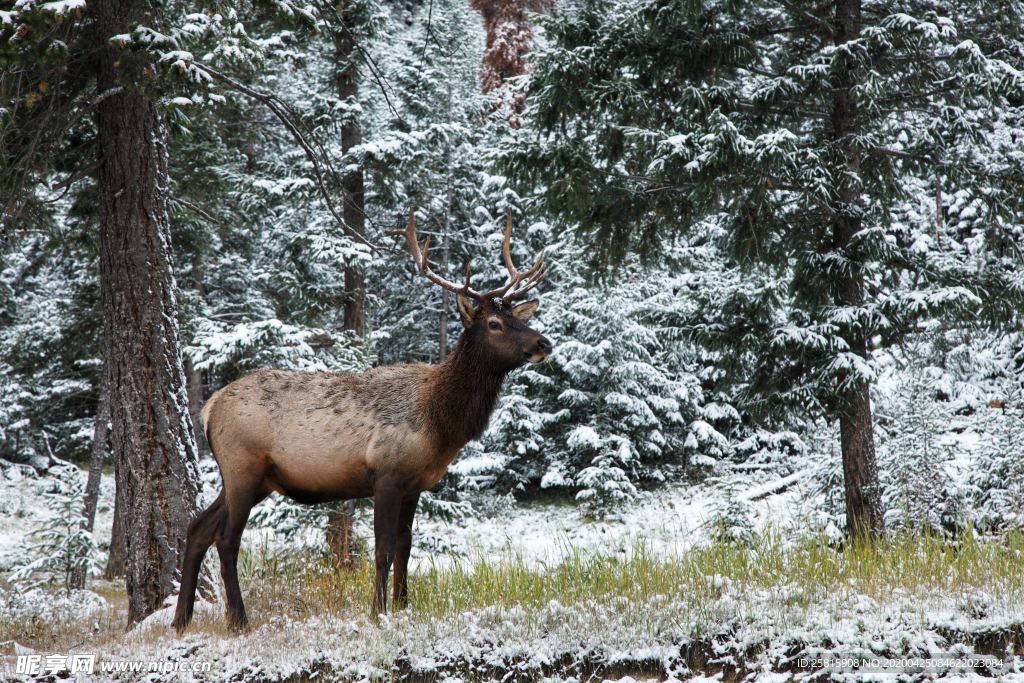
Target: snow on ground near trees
(642,640)
(666,520)
(758,630)
(23,507)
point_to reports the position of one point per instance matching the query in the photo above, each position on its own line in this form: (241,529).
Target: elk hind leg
(237,509)
(202,533)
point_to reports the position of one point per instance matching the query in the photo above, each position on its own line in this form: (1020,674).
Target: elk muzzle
(540,351)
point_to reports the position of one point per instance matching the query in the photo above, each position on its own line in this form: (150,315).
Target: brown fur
(390,433)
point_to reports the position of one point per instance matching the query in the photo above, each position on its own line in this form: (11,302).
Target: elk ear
(525,310)
(466,309)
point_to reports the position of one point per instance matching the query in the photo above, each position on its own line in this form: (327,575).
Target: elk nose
(543,345)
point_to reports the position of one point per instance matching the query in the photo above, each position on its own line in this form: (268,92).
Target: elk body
(389,433)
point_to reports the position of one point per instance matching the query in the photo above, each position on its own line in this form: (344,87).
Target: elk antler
(420,259)
(517,285)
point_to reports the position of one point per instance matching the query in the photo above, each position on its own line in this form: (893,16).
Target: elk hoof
(238,623)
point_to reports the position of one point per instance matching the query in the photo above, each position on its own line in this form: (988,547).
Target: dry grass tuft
(297,586)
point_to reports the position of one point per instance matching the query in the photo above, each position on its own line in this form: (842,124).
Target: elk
(389,433)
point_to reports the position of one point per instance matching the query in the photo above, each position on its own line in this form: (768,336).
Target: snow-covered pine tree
(77,106)
(49,343)
(60,546)
(920,493)
(424,152)
(618,404)
(996,481)
(265,258)
(795,125)
(732,517)
(604,484)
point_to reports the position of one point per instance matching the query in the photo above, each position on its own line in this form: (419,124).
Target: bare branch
(287,116)
(197,210)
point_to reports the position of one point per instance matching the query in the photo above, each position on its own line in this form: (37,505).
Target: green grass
(801,574)
(682,591)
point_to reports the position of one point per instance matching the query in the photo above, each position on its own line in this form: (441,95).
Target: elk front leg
(402,549)
(387,508)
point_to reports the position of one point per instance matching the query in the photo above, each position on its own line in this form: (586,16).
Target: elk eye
(494,325)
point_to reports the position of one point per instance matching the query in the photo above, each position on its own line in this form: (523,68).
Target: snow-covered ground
(756,637)
(666,521)
(741,632)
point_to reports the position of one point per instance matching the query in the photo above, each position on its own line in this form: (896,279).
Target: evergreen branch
(109,92)
(656,184)
(66,184)
(920,158)
(904,97)
(746,105)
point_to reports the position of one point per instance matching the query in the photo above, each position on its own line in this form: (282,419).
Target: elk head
(491,319)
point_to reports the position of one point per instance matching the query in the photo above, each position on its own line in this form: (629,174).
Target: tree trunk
(863,495)
(100,431)
(151,432)
(347,85)
(340,540)
(860,473)
(115,556)
(442,319)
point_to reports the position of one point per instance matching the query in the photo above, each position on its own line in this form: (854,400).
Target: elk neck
(465,392)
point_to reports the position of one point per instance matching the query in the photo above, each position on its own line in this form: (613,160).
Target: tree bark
(340,522)
(341,540)
(151,432)
(115,556)
(347,85)
(100,431)
(863,494)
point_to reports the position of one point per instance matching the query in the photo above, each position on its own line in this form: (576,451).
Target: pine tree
(996,482)
(61,547)
(794,127)
(617,405)
(152,439)
(919,490)
(87,76)
(49,343)
(732,516)
(605,486)
(425,153)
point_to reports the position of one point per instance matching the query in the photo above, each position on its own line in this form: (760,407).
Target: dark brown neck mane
(465,392)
